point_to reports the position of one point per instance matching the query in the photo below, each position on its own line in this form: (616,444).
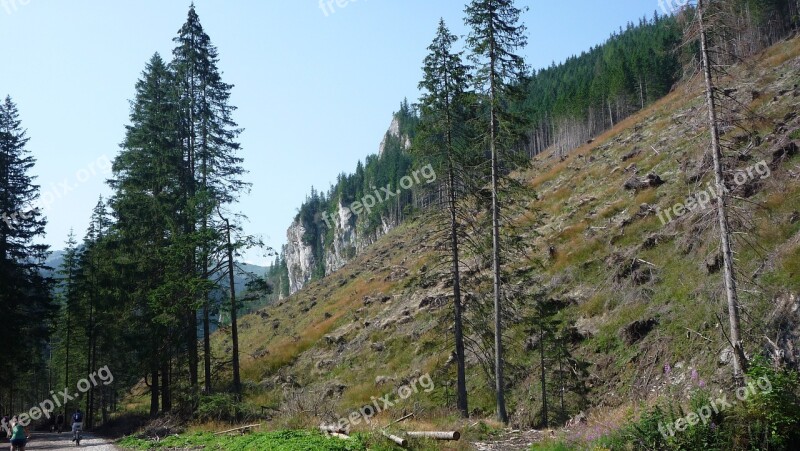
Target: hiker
(77,424)
(60,422)
(19,434)
(5,430)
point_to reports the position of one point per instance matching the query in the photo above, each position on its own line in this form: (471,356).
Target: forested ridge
(150,281)
(564,105)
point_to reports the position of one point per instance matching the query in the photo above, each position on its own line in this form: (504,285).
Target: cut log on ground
(405,417)
(338,435)
(243,429)
(436,435)
(399,440)
(331,428)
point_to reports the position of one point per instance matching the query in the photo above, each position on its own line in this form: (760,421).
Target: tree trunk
(166,398)
(237,383)
(461,385)
(154,392)
(544,377)
(739,361)
(67,347)
(191,344)
(498,313)
(206,343)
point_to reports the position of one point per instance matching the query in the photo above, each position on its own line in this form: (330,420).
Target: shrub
(768,418)
(220,407)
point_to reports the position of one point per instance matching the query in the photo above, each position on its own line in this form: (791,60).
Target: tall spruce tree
(147,205)
(442,141)
(496,35)
(67,283)
(25,293)
(213,170)
(94,288)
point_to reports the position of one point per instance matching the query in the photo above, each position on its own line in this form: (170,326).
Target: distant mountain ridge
(56,259)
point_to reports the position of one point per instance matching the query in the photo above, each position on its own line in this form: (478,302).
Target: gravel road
(52,442)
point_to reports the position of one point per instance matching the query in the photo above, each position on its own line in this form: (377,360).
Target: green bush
(220,407)
(768,418)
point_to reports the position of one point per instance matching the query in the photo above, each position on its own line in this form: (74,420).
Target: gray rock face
(345,243)
(394,130)
(299,257)
(349,239)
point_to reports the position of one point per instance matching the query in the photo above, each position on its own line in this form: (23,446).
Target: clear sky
(315,92)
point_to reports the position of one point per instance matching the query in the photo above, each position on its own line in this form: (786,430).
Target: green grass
(278,441)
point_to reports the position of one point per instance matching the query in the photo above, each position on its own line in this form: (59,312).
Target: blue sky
(315,92)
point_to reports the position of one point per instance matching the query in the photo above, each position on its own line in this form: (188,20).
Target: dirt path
(52,442)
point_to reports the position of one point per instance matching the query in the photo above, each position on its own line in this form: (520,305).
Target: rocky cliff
(350,237)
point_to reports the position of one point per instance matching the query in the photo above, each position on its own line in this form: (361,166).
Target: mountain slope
(639,291)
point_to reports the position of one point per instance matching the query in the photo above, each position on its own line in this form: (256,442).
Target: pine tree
(213,171)
(25,293)
(494,38)
(442,141)
(68,273)
(148,204)
(93,286)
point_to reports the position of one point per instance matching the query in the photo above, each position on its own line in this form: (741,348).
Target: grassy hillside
(639,293)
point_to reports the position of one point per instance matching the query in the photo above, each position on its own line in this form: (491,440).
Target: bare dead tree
(729,275)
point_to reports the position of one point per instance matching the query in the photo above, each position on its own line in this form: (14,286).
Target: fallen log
(436,435)
(244,429)
(331,429)
(399,440)
(338,435)
(402,419)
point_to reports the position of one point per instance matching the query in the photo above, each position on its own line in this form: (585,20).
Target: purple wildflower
(702,383)
(694,374)
(667,369)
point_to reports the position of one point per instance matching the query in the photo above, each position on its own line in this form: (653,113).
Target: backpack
(77,418)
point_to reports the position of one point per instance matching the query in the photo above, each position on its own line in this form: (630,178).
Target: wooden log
(399,440)
(338,435)
(331,428)
(436,435)
(402,419)
(243,428)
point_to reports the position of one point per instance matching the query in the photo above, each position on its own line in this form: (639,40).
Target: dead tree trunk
(739,361)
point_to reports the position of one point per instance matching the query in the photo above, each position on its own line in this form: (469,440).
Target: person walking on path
(60,422)
(77,424)
(19,435)
(5,428)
